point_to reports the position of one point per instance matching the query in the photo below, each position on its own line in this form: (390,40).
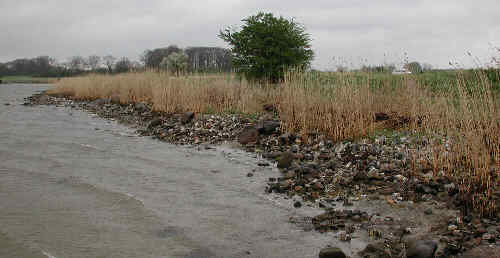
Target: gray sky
(352,32)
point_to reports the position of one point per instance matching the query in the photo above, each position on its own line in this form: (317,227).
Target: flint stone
(376,249)
(421,249)
(155,122)
(268,127)
(99,102)
(331,252)
(270,108)
(187,117)
(271,155)
(141,107)
(285,160)
(248,135)
(380,116)
(43,100)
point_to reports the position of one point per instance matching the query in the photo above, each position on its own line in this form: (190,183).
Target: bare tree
(109,61)
(208,59)
(93,61)
(123,65)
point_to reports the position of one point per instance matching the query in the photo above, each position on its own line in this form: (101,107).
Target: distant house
(401,71)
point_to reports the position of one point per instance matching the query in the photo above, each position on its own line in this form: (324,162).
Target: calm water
(74,185)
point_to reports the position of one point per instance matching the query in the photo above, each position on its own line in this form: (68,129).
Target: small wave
(48,255)
(89,146)
(135,198)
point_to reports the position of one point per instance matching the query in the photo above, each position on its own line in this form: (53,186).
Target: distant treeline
(199,59)
(42,66)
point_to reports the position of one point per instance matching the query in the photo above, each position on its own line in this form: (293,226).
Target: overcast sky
(352,32)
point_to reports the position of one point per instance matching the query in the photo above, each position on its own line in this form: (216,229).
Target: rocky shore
(416,214)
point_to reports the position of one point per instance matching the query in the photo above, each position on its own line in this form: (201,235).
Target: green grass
(436,81)
(26,79)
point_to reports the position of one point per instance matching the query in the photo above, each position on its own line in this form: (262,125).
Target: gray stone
(99,102)
(286,138)
(268,127)
(248,135)
(331,252)
(141,107)
(155,122)
(43,100)
(187,117)
(421,249)
(285,160)
(377,249)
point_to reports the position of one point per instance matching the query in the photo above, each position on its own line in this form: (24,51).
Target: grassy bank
(27,79)
(460,111)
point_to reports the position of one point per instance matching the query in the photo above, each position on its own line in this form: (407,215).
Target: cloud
(435,32)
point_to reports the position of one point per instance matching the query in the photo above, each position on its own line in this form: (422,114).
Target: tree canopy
(414,67)
(266,46)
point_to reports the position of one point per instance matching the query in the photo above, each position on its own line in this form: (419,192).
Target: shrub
(267,46)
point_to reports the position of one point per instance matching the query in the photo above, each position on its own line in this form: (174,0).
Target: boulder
(43,100)
(187,117)
(268,127)
(421,249)
(380,116)
(140,107)
(331,252)
(99,102)
(285,160)
(248,135)
(286,138)
(270,108)
(377,249)
(482,251)
(155,122)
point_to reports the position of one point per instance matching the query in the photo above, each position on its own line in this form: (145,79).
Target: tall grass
(464,112)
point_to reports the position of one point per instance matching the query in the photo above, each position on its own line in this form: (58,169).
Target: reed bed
(465,121)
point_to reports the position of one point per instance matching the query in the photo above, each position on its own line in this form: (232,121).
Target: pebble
(488,237)
(421,249)
(332,252)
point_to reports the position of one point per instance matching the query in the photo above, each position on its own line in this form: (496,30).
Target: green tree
(266,46)
(153,58)
(176,62)
(414,67)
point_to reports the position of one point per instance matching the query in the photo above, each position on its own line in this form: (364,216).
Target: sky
(343,32)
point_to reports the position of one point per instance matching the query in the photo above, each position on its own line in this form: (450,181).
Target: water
(75,185)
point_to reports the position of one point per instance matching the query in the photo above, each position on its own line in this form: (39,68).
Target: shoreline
(326,174)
